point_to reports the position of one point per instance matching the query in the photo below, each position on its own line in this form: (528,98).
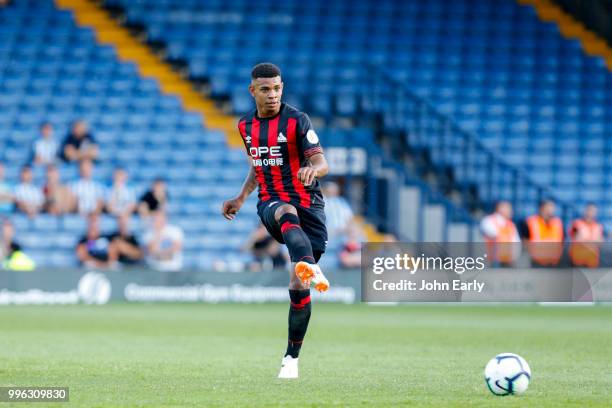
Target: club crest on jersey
(312,137)
(281,138)
(248,139)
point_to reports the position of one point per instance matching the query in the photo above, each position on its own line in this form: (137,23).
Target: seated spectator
(164,244)
(9,245)
(46,147)
(28,197)
(79,145)
(11,253)
(350,255)
(338,212)
(58,197)
(121,199)
(267,252)
(6,194)
(95,250)
(127,245)
(88,192)
(153,200)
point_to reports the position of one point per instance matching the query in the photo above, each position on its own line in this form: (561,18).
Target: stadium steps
(571,28)
(149,65)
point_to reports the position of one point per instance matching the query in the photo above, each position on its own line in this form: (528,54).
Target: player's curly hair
(265,70)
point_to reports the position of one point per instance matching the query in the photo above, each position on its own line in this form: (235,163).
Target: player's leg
(300,307)
(295,238)
(312,221)
(300,249)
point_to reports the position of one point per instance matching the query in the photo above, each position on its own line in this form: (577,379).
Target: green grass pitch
(228,355)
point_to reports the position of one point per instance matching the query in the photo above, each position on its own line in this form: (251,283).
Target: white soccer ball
(507,374)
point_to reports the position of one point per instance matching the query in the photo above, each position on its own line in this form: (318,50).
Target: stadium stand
(51,69)
(531,96)
(535,101)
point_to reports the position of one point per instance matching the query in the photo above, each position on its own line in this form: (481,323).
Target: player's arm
(313,152)
(317,168)
(231,207)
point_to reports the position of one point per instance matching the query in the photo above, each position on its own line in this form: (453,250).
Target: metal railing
(472,162)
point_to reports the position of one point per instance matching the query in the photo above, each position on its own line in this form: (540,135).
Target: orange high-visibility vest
(501,248)
(586,236)
(550,233)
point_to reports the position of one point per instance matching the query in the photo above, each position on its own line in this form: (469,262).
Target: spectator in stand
(127,245)
(153,200)
(79,145)
(28,197)
(350,256)
(6,194)
(586,235)
(544,235)
(338,212)
(11,253)
(164,244)
(267,253)
(121,199)
(45,149)
(88,192)
(95,250)
(501,235)
(58,197)
(9,245)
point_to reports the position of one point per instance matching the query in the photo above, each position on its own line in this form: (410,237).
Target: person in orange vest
(544,235)
(501,235)
(586,235)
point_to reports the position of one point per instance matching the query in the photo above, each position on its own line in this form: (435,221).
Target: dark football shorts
(312,221)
